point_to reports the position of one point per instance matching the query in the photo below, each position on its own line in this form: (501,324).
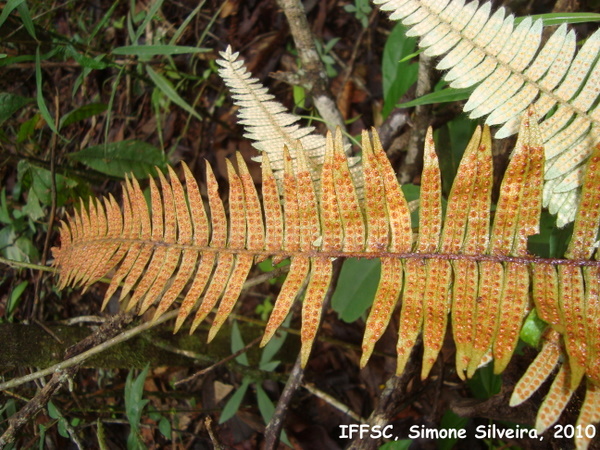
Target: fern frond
(270,126)
(458,264)
(267,122)
(511,71)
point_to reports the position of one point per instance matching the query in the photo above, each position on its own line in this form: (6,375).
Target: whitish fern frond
(270,126)
(267,122)
(512,71)
(481,274)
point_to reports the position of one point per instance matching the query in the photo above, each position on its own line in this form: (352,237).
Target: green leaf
(4,214)
(356,288)
(40,95)
(532,329)
(564,17)
(267,409)
(120,158)
(152,50)
(272,347)
(398,77)
(237,343)
(147,18)
(265,404)
(33,209)
(134,391)
(54,413)
(450,420)
(485,383)
(186,22)
(551,242)
(167,88)
(26,18)
(444,96)
(23,10)
(102,21)
(164,426)
(8,7)
(15,298)
(40,180)
(95,63)
(234,402)
(27,128)
(101,435)
(11,103)
(16,246)
(82,113)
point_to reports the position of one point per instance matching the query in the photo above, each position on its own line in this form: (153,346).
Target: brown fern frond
(458,266)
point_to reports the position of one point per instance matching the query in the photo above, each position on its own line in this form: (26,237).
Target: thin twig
(273,429)
(62,373)
(48,330)
(219,363)
(38,310)
(313,75)
(126,335)
(350,66)
(333,402)
(275,425)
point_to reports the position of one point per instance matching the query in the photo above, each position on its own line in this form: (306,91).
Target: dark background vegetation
(95,97)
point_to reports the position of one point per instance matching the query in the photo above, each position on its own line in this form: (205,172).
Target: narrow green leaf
(15,297)
(40,95)
(234,402)
(120,158)
(100,435)
(103,21)
(398,77)
(185,23)
(26,18)
(152,50)
(444,96)
(82,113)
(267,409)
(563,17)
(148,17)
(9,6)
(134,391)
(167,88)
(23,10)
(237,343)
(273,346)
(4,214)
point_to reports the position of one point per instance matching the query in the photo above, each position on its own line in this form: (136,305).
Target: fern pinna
(483,276)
